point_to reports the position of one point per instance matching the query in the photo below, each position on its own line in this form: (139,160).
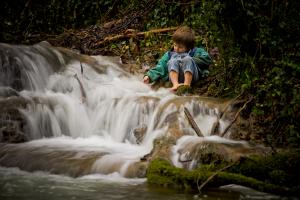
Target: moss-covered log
(161,172)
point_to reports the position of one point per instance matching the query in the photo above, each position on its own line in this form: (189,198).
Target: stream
(87,123)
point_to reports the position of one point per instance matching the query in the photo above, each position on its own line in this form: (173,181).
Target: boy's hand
(146,79)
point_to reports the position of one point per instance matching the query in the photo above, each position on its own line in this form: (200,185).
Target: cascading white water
(100,118)
(112,108)
(28,67)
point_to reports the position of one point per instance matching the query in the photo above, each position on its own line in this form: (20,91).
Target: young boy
(184,65)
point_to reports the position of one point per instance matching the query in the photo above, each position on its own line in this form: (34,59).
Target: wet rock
(8,92)
(43,158)
(13,102)
(136,170)
(12,127)
(12,135)
(162,147)
(12,121)
(139,133)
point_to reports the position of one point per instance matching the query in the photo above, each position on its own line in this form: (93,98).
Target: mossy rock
(184,90)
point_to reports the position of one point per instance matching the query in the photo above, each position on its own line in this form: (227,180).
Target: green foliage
(202,16)
(266,64)
(25,18)
(278,96)
(263,28)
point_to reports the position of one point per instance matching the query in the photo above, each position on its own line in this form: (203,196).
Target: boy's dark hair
(185,36)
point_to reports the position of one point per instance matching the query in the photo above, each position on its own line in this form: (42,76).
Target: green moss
(184,90)
(213,90)
(280,168)
(161,172)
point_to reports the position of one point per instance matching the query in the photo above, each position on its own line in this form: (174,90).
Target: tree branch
(212,176)
(192,122)
(130,33)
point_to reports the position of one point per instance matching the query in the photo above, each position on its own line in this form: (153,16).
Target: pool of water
(16,184)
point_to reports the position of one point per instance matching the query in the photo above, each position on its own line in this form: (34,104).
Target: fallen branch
(192,122)
(235,117)
(129,34)
(212,176)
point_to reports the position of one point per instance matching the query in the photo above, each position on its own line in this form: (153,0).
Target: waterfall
(87,124)
(28,67)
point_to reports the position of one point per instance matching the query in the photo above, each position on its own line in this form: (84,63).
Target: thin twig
(227,106)
(235,117)
(192,122)
(81,69)
(216,125)
(212,176)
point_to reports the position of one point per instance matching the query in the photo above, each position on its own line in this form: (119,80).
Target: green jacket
(160,71)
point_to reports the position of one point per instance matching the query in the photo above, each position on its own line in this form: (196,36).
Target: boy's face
(179,48)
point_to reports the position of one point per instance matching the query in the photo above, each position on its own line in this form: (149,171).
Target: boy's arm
(160,71)
(202,58)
